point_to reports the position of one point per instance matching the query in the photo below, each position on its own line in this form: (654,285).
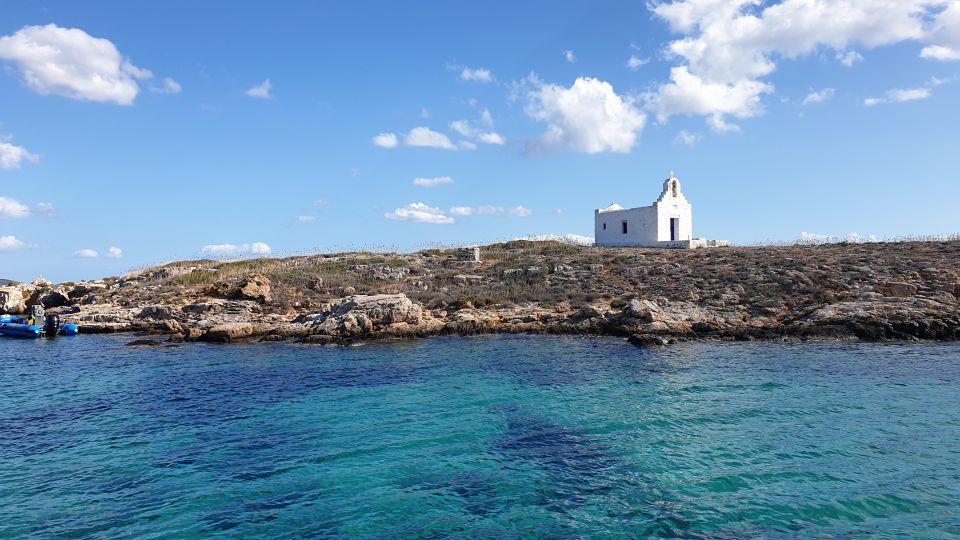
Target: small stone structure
(468,254)
(668,223)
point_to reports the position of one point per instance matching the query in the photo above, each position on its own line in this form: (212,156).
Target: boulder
(364,314)
(255,287)
(11,300)
(54,298)
(644,310)
(41,282)
(225,333)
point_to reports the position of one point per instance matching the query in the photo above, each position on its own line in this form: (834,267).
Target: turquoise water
(479,437)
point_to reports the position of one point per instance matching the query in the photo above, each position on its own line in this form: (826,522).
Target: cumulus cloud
(236,250)
(69,62)
(686,138)
(420,212)
(491,138)
(114,253)
(11,243)
(432,182)
(819,96)
(416,137)
(479,75)
(261,90)
(386,140)
(569,56)
(13,209)
(945,35)
(588,117)
(423,136)
(899,96)
(86,254)
(12,156)
(728,46)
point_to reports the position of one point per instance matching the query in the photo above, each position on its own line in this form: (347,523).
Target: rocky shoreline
(873,292)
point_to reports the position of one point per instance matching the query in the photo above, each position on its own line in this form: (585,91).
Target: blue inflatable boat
(15,326)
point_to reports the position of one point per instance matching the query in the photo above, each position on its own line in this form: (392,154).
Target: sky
(135,133)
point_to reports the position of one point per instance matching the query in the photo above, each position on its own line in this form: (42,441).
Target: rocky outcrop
(369,314)
(254,287)
(11,300)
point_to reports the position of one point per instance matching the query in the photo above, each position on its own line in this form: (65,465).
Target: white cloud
(486,118)
(71,63)
(424,113)
(11,243)
(423,136)
(464,128)
(45,208)
(492,138)
(690,94)
(262,90)
(945,34)
(86,254)
(588,117)
(521,211)
(11,156)
(461,211)
(235,250)
(899,96)
(686,138)
(13,209)
(635,62)
(849,58)
(819,96)
(727,46)
(168,86)
(488,210)
(114,253)
(479,74)
(420,212)
(306,219)
(386,140)
(569,56)
(432,182)
(467,145)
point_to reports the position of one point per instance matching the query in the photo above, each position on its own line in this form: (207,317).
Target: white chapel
(668,222)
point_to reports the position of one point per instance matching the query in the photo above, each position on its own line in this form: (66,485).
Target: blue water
(479,437)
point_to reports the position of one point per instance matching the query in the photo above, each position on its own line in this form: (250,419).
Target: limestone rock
(225,333)
(11,300)
(644,310)
(156,313)
(363,314)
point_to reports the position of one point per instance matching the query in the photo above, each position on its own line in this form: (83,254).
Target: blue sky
(149,129)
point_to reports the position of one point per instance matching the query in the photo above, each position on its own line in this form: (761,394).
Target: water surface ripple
(484,436)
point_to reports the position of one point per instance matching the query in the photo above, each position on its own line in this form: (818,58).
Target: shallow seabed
(481,436)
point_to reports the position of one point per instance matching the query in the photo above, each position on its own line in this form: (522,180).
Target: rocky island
(867,291)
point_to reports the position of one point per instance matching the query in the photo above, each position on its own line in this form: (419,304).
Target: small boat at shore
(15,326)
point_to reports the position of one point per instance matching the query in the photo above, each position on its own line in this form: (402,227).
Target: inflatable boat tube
(12,329)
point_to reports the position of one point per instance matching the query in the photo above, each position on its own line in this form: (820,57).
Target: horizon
(327,128)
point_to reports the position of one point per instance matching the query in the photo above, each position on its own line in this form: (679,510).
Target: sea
(479,437)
